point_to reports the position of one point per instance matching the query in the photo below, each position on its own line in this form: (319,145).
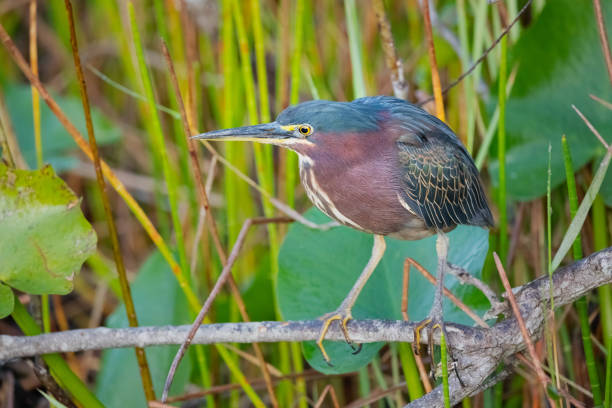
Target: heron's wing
(440,182)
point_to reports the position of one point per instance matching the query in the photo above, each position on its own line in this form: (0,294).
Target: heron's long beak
(273,133)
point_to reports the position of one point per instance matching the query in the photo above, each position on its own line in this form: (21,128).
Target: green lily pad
(158,300)
(551,77)
(318,268)
(44,237)
(7,301)
(58,147)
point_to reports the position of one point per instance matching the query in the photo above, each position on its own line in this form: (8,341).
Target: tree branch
(478,351)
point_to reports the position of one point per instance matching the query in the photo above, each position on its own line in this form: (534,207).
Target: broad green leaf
(318,268)
(560,63)
(7,301)
(159,301)
(44,237)
(58,146)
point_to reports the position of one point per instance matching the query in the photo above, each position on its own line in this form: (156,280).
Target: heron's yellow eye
(305,130)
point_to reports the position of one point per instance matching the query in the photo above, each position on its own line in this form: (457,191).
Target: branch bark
(478,351)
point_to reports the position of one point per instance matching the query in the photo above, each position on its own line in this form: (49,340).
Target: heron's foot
(432,324)
(342,315)
(429,325)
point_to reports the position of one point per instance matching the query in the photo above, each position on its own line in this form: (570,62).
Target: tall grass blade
(33,41)
(576,224)
(35,97)
(444,362)
(296,67)
(131,93)
(415,388)
(552,334)
(608,374)
(263,153)
(581,304)
(160,146)
(354,37)
(492,126)
(600,241)
(468,84)
(501,153)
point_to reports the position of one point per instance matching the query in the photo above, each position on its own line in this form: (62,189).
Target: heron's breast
(361,194)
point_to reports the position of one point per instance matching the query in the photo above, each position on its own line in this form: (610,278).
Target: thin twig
(35,97)
(157,404)
(463,276)
(8,144)
(328,389)
(51,385)
(253,360)
(566,380)
(591,127)
(604,103)
(202,221)
(450,295)
(223,277)
(406,286)
(130,310)
(363,331)
(522,326)
(435,75)
(376,395)
(603,37)
(483,56)
(400,86)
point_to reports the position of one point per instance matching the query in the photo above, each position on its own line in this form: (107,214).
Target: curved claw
(416,345)
(432,325)
(343,316)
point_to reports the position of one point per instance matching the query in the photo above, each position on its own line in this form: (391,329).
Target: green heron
(383,166)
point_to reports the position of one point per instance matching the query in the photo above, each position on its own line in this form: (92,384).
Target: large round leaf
(551,77)
(44,237)
(318,268)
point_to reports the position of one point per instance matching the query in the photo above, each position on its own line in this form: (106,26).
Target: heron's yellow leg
(435,320)
(343,313)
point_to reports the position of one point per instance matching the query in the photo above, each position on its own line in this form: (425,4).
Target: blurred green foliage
(58,147)
(560,64)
